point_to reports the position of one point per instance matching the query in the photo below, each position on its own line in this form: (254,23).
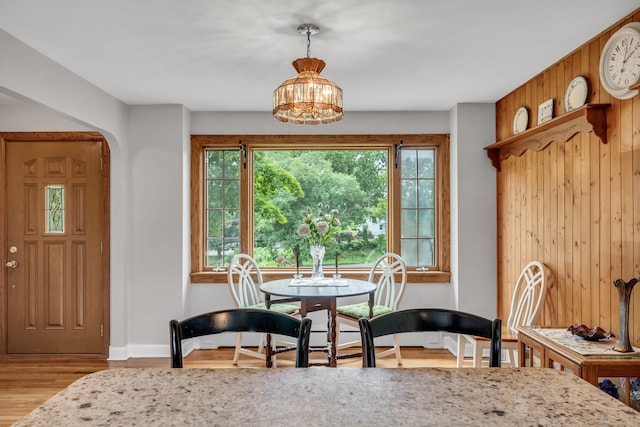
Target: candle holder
(623,344)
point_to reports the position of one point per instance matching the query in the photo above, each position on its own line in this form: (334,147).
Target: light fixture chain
(308,42)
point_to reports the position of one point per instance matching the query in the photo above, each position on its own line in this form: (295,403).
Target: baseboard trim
(318,338)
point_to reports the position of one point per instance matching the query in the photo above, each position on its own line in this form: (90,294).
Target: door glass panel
(54,208)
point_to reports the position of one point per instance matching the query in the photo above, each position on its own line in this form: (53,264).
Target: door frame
(106,210)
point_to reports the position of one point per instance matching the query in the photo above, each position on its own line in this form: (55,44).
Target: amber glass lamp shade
(308,98)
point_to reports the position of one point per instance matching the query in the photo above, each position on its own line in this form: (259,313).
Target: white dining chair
(526,303)
(244,279)
(386,269)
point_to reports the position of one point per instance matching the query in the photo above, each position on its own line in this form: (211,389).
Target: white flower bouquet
(318,230)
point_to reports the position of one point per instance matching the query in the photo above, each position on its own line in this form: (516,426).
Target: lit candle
(336,263)
(297,261)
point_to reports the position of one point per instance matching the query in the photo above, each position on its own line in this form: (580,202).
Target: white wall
(473,209)
(263,123)
(150,193)
(473,212)
(157,187)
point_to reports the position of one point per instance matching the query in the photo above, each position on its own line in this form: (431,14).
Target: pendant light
(308,98)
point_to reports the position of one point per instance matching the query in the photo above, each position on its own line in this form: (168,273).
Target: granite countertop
(321,396)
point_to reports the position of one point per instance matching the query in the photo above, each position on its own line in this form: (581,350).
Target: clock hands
(626,49)
(626,58)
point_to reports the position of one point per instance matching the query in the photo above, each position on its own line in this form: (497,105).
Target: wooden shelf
(588,118)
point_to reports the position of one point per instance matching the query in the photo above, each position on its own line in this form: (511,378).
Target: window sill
(267,275)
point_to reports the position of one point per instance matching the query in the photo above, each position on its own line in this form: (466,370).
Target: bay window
(248,194)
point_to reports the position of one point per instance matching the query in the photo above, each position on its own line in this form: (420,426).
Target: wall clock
(620,61)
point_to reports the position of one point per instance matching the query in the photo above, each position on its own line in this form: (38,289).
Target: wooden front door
(55,286)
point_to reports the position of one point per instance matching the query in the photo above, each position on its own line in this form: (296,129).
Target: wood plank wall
(574,206)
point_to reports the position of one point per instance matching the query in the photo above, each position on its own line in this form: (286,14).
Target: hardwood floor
(26,382)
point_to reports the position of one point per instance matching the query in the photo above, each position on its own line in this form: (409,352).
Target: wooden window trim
(199,274)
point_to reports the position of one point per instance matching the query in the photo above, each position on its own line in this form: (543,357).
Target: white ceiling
(229,55)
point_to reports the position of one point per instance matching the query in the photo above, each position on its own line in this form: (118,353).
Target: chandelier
(308,98)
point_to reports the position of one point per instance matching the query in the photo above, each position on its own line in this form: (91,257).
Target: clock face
(620,61)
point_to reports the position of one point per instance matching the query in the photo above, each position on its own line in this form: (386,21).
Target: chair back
(241,320)
(528,295)
(429,320)
(245,289)
(383,273)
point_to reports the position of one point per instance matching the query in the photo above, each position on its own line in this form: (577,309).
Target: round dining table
(319,294)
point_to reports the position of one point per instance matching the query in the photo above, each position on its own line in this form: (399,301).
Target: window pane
(409,163)
(223,206)
(426,193)
(418,206)
(426,224)
(231,164)
(214,193)
(425,252)
(214,252)
(54,211)
(214,161)
(409,223)
(426,164)
(286,183)
(232,194)
(214,223)
(409,193)
(410,251)
(231,223)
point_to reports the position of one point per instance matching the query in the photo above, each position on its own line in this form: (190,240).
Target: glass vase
(317,254)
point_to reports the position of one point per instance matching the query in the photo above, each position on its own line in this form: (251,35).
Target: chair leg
(477,354)
(274,346)
(236,354)
(396,342)
(513,358)
(461,344)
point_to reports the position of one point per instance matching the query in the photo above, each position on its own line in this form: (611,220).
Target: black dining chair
(242,320)
(428,320)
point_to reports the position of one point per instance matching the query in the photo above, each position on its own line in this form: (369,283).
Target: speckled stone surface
(328,397)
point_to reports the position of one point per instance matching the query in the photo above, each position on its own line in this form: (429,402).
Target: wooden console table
(593,362)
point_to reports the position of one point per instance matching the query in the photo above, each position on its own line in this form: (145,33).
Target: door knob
(11,264)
